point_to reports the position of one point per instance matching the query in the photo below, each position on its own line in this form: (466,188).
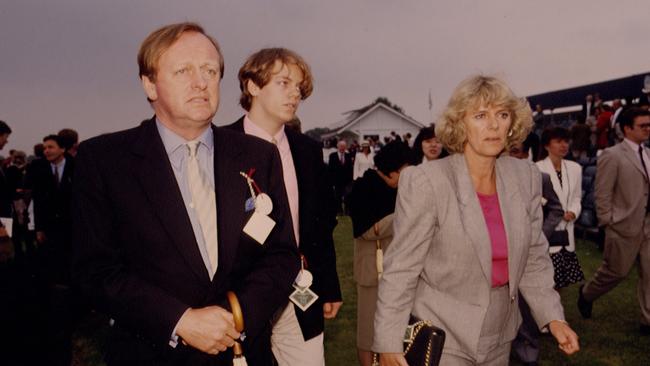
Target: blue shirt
(178,154)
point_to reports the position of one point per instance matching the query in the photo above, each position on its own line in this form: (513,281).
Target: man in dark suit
(51,181)
(273,81)
(52,194)
(172,214)
(341,164)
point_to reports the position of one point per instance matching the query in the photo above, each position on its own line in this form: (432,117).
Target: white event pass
(259,227)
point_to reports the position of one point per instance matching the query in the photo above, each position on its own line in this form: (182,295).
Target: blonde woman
(468,237)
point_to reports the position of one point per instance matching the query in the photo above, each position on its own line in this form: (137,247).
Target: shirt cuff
(174,338)
(547,328)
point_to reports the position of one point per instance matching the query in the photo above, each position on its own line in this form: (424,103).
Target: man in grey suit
(622,206)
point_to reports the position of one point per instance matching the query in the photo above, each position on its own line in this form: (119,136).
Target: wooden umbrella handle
(238,317)
(235,308)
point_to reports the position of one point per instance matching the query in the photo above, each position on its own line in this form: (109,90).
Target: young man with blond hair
(273,82)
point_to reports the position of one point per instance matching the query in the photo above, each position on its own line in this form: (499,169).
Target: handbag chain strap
(416,327)
(412,331)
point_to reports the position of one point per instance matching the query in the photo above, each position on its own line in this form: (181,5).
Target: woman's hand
(569,216)
(392,359)
(566,338)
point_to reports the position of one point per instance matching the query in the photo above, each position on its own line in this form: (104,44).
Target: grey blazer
(439,264)
(621,190)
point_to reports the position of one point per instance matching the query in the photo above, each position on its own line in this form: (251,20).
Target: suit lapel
(157,178)
(68,171)
(509,204)
(231,195)
(633,157)
(303,167)
(472,215)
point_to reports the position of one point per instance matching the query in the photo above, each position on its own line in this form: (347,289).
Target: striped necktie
(204,203)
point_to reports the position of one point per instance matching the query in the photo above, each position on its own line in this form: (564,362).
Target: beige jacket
(365,251)
(621,190)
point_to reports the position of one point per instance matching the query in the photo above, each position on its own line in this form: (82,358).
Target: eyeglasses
(643,125)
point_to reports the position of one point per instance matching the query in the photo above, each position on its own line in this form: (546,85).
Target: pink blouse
(498,239)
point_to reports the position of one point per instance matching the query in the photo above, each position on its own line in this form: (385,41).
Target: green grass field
(611,337)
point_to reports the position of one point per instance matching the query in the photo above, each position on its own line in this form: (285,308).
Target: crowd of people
(193,238)
(36,246)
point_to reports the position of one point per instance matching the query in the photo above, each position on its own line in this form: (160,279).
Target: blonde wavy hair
(472,93)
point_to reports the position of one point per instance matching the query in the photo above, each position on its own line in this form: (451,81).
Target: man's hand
(566,338)
(330,309)
(392,359)
(40,237)
(3,232)
(210,329)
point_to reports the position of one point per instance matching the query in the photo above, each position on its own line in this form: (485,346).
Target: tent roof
(629,86)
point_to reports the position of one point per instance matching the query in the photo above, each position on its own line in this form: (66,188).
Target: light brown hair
(161,40)
(259,66)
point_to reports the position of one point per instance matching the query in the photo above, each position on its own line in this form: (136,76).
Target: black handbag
(559,238)
(423,343)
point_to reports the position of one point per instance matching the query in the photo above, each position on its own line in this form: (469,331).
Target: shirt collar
(632,144)
(250,128)
(60,165)
(173,142)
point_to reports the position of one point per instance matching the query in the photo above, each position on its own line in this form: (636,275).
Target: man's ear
(252,88)
(149,88)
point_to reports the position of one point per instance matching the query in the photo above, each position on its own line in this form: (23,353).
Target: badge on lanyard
(303,296)
(259,225)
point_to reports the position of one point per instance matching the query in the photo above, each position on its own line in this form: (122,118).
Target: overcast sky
(72,63)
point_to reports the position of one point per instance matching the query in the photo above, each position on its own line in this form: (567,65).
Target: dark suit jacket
(136,252)
(552,208)
(53,216)
(317,217)
(51,201)
(341,173)
(5,195)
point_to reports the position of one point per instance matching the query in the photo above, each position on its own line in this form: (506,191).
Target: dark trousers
(526,344)
(126,349)
(64,307)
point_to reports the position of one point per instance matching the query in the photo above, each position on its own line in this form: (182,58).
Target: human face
(278,100)
(53,152)
(4,138)
(431,148)
(640,131)
(486,128)
(185,93)
(342,146)
(557,148)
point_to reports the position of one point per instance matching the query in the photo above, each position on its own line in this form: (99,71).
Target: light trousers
(619,255)
(289,346)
